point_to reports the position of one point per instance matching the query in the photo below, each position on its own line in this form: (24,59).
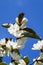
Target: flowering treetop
(10,47)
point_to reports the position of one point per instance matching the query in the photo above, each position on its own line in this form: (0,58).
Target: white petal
(14,30)
(24,22)
(21,42)
(2,41)
(38,45)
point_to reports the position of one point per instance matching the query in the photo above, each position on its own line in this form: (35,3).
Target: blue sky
(33,9)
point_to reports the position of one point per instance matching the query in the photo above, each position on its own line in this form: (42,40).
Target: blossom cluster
(10,47)
(39,59)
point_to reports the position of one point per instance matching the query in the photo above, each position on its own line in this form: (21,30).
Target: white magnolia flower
(24,20)
(17,44)
(21,62)
(12,63)
(39,59)
(38,45)
(15,56)
(4,47)
(14,30)
(10,45)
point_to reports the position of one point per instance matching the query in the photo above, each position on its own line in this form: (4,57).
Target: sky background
(33,9)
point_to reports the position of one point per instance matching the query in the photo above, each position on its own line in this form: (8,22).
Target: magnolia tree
(10,47)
